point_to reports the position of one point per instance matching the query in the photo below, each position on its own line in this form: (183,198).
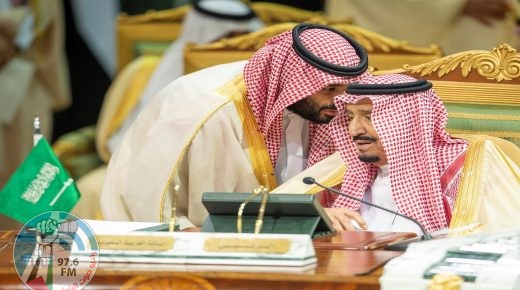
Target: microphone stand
(309,180)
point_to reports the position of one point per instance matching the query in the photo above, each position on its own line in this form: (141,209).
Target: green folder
(284,214)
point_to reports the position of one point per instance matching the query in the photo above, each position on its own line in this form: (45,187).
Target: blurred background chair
(147,34)
(384,52)
(152,32)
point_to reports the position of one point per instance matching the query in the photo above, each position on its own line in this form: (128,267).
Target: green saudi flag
(38,185)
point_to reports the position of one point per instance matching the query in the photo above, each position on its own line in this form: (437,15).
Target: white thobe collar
(380,193)
(293,153)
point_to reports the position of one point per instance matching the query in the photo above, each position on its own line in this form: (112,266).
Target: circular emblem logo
(56,250)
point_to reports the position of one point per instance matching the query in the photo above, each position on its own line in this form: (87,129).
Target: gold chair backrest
(384,52)
(481,91)
(153,31)
(480,88)
(148,33)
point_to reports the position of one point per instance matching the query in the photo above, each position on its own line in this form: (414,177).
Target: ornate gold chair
(148,33)
(481,90)
(384,52)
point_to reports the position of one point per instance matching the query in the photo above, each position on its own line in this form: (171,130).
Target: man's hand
(342,219)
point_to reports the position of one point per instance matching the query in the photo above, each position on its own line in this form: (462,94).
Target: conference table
(335,269)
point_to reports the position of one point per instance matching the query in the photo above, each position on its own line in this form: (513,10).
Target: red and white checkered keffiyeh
(277,77)
(412,130)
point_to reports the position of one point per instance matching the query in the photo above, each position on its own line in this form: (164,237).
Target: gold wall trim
(494,117)
(477,93)
(501,134)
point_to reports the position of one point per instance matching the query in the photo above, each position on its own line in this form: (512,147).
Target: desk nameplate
(208,248)
(335,269)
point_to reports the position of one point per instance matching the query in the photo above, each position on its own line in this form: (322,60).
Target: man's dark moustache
(364,138)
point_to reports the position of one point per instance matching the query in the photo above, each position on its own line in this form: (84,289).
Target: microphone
(309,180)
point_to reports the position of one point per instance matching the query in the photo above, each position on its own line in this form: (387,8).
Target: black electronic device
(284,214)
